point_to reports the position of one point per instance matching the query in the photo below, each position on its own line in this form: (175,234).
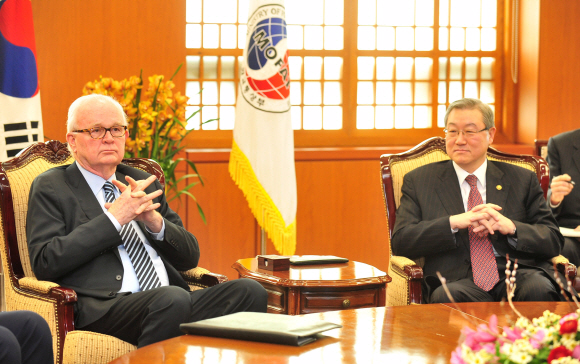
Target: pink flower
(513,334)
(456,356)
(576,352)
(570,316)
(536,340)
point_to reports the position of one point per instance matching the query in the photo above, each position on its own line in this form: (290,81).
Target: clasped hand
(135,204)
(485,219)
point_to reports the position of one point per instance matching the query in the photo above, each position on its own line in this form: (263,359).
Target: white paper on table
(570,232)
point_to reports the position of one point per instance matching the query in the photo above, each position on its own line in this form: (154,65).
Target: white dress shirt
(130,280)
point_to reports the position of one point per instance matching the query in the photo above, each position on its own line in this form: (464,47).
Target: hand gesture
(561,186)
(488,219)
(135,204)
(462,221)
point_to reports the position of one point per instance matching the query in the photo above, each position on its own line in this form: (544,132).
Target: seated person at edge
(466,214)
(105,230)
(564,161)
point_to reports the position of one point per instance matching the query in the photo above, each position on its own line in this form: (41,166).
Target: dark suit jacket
(431,194)
(72,242)
(564,157)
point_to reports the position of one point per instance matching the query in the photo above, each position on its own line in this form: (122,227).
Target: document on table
(570,232)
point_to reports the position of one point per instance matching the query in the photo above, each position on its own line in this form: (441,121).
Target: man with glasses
(105,230)
(466,214)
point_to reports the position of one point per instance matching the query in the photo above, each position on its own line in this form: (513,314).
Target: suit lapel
(82,192)
(448,190)
(497,188)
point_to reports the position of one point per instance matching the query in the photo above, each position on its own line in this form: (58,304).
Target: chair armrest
(202,277)
(407,266)
(53,302)
(408,291)
(565,267)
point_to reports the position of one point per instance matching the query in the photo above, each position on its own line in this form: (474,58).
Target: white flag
(20,114)
(262,158)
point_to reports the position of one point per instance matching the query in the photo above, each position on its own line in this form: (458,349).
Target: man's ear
(70,138)
(491,134)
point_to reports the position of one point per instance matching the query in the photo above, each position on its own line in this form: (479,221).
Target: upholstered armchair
(405,288)
(24,292)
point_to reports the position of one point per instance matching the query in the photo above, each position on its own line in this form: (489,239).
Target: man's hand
(135,204)
(473,217)
(560,187)
(488,219)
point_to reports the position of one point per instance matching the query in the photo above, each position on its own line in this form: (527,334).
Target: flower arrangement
(156,123)
(547,339)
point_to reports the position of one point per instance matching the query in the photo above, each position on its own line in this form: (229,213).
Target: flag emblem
(265,76)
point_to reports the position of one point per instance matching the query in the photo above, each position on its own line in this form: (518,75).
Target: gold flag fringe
(261,205)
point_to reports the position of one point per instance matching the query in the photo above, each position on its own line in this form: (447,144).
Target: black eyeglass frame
(471,133)
(106,130)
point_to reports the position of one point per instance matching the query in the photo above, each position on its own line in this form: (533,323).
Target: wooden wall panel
(230,233)
(527,102)
(78,41)
(559,69)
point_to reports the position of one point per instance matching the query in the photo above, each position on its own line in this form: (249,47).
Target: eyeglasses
(99,132)
(452,134)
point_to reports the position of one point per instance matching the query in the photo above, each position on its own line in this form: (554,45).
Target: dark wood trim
(212,279)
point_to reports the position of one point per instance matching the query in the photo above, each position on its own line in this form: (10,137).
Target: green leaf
(177,70)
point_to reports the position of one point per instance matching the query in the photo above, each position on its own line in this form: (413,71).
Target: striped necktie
(140,259)
(483,264)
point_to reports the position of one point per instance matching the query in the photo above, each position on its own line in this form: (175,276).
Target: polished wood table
(405,334)
(318,288)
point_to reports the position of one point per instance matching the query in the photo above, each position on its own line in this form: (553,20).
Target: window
(383,73)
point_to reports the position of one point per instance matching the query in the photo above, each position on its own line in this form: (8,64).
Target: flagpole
(263,236)
(262,241)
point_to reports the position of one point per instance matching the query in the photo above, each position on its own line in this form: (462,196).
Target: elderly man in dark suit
(465,215)
(564,160)
(119,246)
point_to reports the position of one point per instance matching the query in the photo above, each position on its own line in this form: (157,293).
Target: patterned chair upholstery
(24,292)
(405,288)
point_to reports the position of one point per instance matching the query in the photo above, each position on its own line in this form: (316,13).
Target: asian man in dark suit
(466,214)
(564,161)
(119,246)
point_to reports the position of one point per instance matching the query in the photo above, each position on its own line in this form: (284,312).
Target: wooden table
(318,288)
(405,334)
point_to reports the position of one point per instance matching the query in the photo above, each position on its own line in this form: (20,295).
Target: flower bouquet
(546,339)
(156,123)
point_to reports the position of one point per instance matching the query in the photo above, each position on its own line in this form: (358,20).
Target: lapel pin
(498,187)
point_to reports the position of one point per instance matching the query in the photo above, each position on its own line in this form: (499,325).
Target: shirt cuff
(113,220)
(157,236)
(554,206)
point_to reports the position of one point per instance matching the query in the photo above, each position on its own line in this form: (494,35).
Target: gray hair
(78,104)
(471,104)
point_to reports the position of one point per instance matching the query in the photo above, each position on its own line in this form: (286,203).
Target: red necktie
(485,274)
